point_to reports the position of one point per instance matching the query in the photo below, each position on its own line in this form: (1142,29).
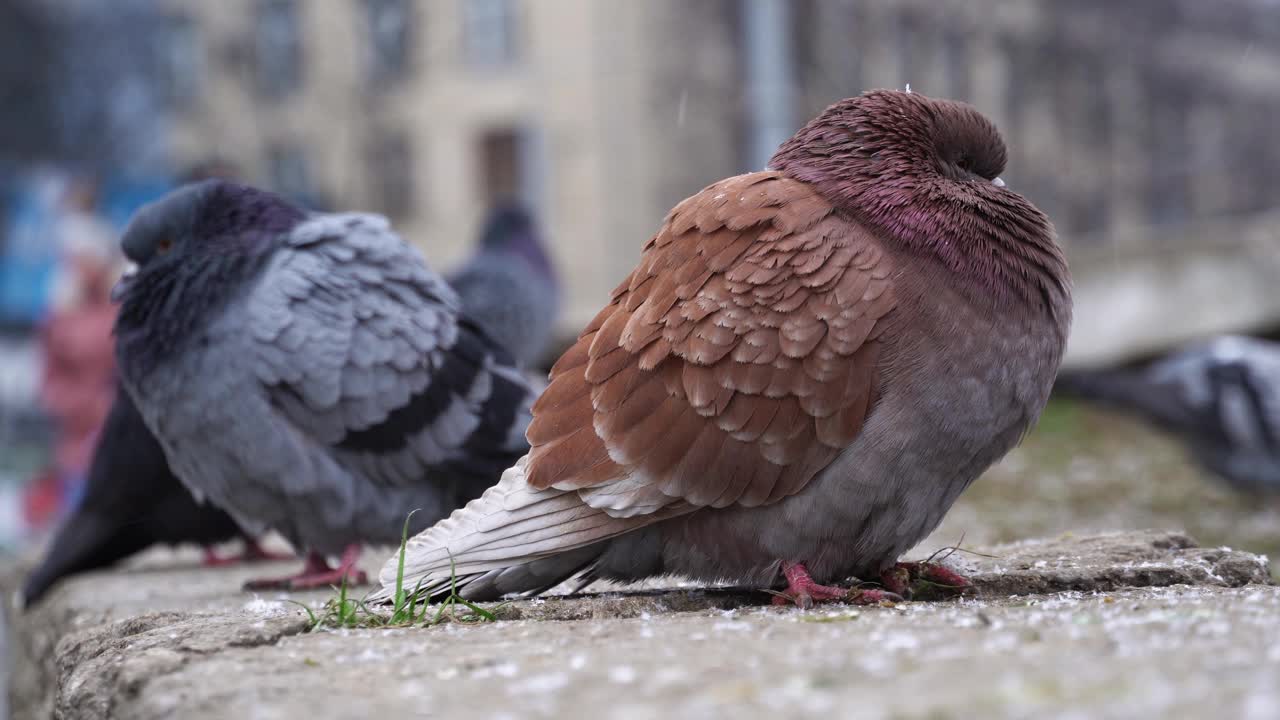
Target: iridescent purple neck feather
(924,173)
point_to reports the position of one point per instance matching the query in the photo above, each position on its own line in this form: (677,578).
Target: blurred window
(501,169)
(289,172)
(489,30)
(181,60)
(277,47)
(389,162)
(512,164)
(1168,143)
(390,39)
(1252,155)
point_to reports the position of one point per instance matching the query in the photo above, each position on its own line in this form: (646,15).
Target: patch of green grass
(408,609)
(1087,469)
(1062,418)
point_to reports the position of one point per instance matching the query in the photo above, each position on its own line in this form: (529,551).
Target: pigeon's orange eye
(164,246)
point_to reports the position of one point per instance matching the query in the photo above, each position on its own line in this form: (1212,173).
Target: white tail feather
(510,524)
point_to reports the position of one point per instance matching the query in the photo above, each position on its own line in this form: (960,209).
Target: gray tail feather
(528,579)
(1126,390)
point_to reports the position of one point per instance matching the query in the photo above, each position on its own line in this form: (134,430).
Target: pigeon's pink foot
(253,552)
(946,582)
(317,574)
(804,592)
(213,559)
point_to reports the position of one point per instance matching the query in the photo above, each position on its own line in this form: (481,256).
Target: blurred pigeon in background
(509,285)
(1221,397)
(131,501)
(806,369)
(309,373)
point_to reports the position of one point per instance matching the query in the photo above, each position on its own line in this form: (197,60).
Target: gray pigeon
(805,370)
(309,373)
(1221,397)
(509,285)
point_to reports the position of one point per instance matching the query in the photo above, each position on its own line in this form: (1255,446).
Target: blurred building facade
(1140,126)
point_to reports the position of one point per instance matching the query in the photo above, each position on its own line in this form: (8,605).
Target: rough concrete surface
(1117,625)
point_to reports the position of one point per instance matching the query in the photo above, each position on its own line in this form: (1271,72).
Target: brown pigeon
(808,366)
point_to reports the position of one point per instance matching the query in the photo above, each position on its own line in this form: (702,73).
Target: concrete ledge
(1109,625)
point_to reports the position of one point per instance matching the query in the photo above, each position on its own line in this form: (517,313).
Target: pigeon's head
(199,222)
(899,138)
(510,228)
(925,173)
(507,224)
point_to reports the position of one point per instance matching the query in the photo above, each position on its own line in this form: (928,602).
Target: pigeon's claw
(804,592)
(316,573)
(911,578)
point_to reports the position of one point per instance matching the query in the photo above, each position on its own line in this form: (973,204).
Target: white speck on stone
(900,642)
(539,684)
(622,675)
(577,662)
(668,675)
(258,606)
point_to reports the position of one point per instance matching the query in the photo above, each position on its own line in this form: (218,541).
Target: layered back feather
(336,387)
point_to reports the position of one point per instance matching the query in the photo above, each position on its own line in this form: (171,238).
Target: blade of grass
(404,542)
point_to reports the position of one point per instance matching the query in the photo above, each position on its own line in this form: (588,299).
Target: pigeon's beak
(998,182)
(122,285)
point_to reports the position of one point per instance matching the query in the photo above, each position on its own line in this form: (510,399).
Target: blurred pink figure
(79,362)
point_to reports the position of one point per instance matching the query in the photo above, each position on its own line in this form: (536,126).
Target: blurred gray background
(1141,126)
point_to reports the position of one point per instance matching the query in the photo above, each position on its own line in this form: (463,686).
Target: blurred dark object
(28,108)
(83,83)
(132,500)
(510,286)
(1221,398)
(209,169)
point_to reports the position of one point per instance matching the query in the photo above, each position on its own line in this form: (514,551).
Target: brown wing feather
(732,365)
